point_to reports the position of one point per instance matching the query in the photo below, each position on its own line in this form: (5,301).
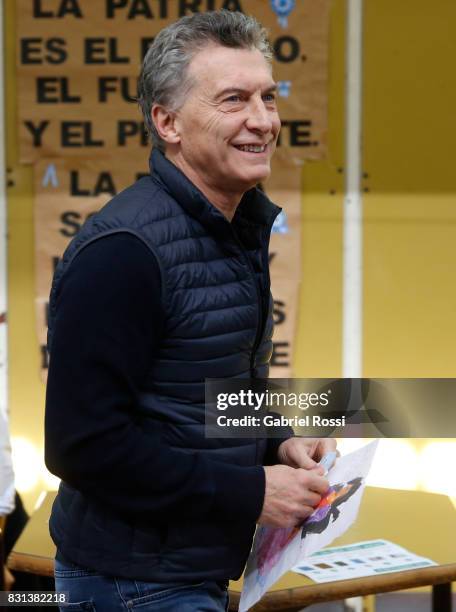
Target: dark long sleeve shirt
(109,323)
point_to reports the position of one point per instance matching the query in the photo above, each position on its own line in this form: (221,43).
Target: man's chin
(249,178)
(259,176)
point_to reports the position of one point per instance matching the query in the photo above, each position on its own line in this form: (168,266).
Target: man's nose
(259,117)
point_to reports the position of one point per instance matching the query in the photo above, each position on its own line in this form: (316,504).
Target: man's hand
(305,452)
(291,495)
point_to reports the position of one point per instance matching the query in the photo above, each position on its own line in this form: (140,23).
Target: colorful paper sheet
(276,551)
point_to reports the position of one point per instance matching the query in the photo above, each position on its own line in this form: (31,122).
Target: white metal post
(352,238)
(352,305)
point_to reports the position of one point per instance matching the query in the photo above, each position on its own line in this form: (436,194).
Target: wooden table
(422,522)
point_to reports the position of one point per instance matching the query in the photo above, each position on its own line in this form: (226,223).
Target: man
(166,286)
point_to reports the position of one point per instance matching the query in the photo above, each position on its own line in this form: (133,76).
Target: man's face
(228,125)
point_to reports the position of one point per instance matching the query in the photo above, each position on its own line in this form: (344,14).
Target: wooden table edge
(33,564)
(293,598)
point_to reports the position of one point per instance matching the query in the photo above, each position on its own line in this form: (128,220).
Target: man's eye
(233,98)
(270,97)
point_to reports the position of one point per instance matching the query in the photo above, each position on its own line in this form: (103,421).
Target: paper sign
(358,560)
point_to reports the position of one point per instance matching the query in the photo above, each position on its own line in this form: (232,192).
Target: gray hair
(164,76)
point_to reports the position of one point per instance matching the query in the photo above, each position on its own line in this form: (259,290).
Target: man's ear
(165,124)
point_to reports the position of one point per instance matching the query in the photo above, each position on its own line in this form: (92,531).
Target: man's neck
(226,202)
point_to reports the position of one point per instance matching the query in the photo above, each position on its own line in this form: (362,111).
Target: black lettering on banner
(75,190)
(127,129)
(38,12)
(103,184)
(112,6)
(31,51)
(278,312)
(286,49)
(136,8)
(163,8)
(189,6)
(93,46)
(45,87)
(106,85)
(66,7)
(29,48)
(74,134)
(298,133)
(279,355)
(109,84)
(70,219)
(128,94)
(36,131)
(103,51)
(57,51)
(141,8)
(194,6)
(144,46)
(44,357)
(54,90)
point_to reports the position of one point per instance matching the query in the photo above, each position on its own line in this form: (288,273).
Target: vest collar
(254,207)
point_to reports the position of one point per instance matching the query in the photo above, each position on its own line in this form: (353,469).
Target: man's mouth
(252,148)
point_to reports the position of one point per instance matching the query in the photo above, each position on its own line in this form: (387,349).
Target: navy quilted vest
(218,323)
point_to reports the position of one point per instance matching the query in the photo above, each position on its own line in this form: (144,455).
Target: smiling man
(224,135)
(166,286)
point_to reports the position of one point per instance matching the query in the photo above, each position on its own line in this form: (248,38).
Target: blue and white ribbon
(282,8)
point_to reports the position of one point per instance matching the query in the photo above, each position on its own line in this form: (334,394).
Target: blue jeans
(88,590)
